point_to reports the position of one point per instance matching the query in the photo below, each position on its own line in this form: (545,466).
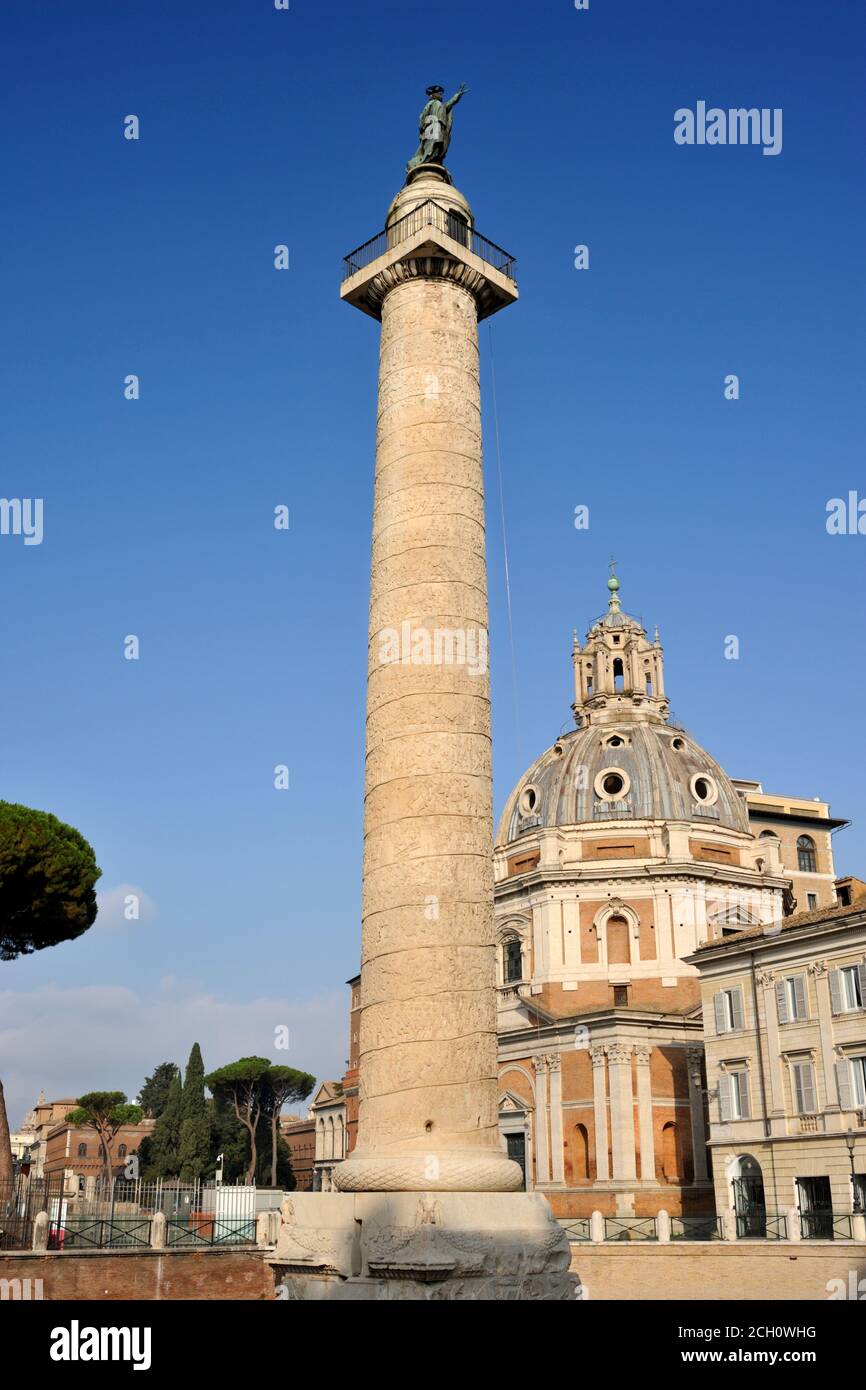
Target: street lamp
(855,1186)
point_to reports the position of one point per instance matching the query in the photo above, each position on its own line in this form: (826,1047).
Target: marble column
(428,1074)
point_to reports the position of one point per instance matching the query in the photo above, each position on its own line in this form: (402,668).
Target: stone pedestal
(421,1246)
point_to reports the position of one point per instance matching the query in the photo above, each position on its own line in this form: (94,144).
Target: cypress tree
(195,1136)
(165,1143)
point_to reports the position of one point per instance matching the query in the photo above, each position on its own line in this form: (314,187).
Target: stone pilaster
(619,1057)
(694,1063)
(542,1104)
(599,1105)
(645,1114)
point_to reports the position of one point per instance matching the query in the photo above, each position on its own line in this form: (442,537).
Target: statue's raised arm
(434,127)
(461,92)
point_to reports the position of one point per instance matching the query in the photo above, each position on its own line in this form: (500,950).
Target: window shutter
(725,1107)
(721,1017)
(804,1076)
(742,1080)
(835,991)
(737,1008)
(800,1008)
(782,1001)
(861,980)
(843,1082)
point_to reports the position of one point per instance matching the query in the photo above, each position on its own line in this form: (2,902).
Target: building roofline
(822,919)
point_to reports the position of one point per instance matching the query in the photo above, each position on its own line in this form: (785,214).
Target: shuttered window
(728,1009)
(803,1082)
(791,998)
(848,988)
(734,1096)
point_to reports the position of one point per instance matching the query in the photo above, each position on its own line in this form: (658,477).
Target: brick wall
(144,1274)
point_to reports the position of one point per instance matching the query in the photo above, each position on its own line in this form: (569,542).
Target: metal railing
(99,1233)
(21,1200)
(762,1225)
(209,1230)
(630,1228)
(696,1228)
(429,214)
(576,1227)
(826,1225)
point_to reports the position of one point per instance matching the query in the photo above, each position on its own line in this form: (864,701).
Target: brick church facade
(623,848)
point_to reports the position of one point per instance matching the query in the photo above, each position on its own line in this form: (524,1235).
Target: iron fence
(826,1225)
(119,1215)
(97,1233)
(21,1200)
(576,1227)
(630,1228)
(696,1228)
(429,214)
(758,1224)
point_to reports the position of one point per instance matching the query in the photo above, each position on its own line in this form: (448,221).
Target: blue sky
(155,257)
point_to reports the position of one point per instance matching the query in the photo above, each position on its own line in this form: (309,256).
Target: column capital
(642,1053)
(619,1052)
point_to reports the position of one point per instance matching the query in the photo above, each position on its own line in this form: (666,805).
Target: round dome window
(678,743)
(528,801)
(612,784)
(704,789)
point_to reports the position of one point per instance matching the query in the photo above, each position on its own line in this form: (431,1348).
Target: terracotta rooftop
(820,917)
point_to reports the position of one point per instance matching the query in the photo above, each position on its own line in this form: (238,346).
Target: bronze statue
(434,127)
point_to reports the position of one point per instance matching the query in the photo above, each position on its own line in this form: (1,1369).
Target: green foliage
(164,1147)
(243,1085)
(106,1112)
(104,1109)
(48,873)
(195,1124)
(153,1095)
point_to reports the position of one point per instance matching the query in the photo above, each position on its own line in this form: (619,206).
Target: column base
(454,1170)
(421,1246)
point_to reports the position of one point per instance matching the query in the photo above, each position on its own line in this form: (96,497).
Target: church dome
(621,772)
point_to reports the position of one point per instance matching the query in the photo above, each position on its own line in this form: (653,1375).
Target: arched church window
(767,835)
(512,962)
(618,677)
(806,857)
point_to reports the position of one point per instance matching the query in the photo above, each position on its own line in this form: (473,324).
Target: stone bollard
(729,1224)
(263,1229)
(596,1227)
(663,1227)
(40,1231)
(792,1223)
(158,1229)
(858,1225)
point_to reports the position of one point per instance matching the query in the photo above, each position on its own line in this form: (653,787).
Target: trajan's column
(429,1203)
